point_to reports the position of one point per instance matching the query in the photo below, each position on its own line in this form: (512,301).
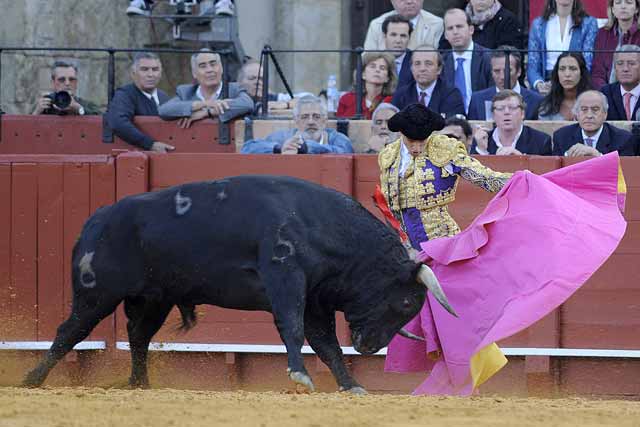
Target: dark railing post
(359,91)
(507,70)
(224,134)
(111,75)
(265,81)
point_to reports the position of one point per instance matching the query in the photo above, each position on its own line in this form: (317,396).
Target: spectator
(378,80)
(140,98)
(207,7)
(592,136)
(428,89)
(510,136)
(458,128)
(311,135)
(621,29)
(479,100)
(204,99)
(494,24)
(468,66)
(397,32)
(380,133)
(427,28)
(623,95)
(564,26)
(64,78)
(569,79)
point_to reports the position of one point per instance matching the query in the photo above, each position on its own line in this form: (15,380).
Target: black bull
(279,244)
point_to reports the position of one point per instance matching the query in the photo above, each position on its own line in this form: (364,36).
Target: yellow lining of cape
(485,363)
(622,185)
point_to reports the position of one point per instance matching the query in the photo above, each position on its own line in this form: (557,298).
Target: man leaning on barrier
(310,136)
(204,98)
(63,100)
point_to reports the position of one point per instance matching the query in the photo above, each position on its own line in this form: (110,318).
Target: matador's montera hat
(416,122)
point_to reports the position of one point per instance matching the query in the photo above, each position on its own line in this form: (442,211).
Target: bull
(278,244)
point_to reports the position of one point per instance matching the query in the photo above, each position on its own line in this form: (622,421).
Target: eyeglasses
(511,108)
(314,116)
(66,79)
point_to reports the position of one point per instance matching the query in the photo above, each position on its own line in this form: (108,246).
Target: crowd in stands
(454,64)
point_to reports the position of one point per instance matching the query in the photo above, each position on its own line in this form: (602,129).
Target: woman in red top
(621,29)
(378,80)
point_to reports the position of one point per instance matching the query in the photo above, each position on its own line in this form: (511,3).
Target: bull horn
(427,278)
(403,332)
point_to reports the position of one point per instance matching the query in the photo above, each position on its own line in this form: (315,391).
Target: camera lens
(62,99)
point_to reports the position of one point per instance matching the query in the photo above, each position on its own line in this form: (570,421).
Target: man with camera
(63,100)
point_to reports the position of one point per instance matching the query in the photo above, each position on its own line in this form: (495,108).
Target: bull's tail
(189,318)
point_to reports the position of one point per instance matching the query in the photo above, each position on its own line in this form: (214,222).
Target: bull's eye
(406,304)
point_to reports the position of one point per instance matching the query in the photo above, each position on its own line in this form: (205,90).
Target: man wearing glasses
(310,136)
(63,100)
(510,136)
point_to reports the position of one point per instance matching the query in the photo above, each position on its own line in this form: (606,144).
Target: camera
(60,99)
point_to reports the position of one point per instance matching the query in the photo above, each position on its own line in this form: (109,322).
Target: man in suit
(140,98)
(397,33)
(427,28)
(510,136)
(204,99)
(592,136)
(623,95)
(468,66)
(532,99)
(428,89)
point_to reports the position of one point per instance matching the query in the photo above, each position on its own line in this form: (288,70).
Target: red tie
(423,98)
(627,104)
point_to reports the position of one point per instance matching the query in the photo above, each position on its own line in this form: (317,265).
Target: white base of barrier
(45,345)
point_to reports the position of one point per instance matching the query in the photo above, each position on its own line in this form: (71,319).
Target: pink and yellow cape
(538,240)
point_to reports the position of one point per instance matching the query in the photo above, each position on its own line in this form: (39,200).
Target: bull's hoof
(33,379)
(302,379)
(360,391)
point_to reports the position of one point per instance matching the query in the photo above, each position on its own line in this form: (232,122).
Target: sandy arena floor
(63,407)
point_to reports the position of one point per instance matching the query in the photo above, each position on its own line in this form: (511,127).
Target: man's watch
(81,111)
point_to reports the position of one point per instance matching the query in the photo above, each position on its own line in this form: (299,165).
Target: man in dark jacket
(510,137)
(592,136)
(428,89)
(623,95)
(140,98)
(64,81)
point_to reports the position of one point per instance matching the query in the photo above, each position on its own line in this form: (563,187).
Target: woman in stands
(621,29)
(378,80)
(563,26)
(494,25)
(569,79)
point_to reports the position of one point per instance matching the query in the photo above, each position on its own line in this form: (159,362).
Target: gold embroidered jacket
(419,199)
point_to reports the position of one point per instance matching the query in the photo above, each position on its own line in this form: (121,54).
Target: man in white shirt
(468,66)
(592,135)
(204,99)
(427,28)
(624,94)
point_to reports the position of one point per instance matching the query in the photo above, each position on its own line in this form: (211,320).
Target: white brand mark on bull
(183,204)
(87,276)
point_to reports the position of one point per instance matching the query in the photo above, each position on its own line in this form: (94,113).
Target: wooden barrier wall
(46,199)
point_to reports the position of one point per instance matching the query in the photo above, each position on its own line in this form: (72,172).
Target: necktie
(460,81)
(589,142)
(423,99)
(627,104)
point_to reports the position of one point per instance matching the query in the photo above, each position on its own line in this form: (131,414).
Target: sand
(167,407)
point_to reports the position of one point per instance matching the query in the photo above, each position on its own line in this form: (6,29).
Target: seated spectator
(592,136)
(427,28)
(510,136)
(468,66)
(621,29)
(564,26)
(397,31)
(480,99)
(569,79)
(380,133)
(250,79)
(64,78)
(311,135)
(140,98)
(458,128)
(378,81)
(206,7)
(428,89)
(623,95)
(494,24)
(204,99)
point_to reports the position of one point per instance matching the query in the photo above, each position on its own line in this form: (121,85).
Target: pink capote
(538,240)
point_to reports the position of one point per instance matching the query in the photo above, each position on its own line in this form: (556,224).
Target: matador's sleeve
(453,157)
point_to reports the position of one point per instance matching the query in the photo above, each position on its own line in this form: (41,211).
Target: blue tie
(460,81)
